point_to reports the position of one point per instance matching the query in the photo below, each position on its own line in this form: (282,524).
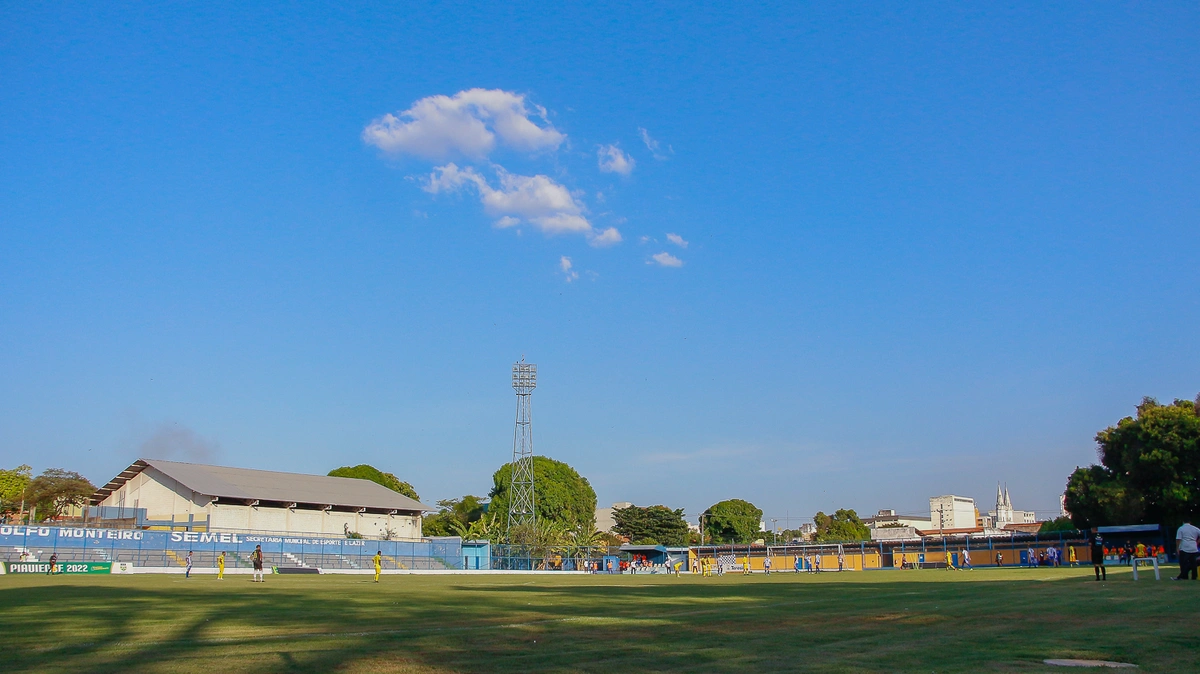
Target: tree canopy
(561,495)
(1149,470)
(365,472)
(56,490)
(732,521)
(842,525)
(12,486)
(1057,524)
(454,516)
(657,525)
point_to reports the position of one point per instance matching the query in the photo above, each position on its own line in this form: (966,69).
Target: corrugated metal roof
(245,484)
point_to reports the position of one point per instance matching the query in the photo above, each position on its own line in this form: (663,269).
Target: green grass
(921,621)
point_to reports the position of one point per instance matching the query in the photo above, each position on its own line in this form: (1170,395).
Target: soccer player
(187,564)
(1098,556)
(841,561)
(53,563)
(1074,561)
(221,566)
(966,559)
(746,565)
(256,559)
(378,559)
(767,565)
(1140,549)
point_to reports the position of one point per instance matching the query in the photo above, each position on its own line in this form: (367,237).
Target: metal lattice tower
(522,519)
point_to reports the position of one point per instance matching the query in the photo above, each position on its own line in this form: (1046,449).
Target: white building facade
(952,512)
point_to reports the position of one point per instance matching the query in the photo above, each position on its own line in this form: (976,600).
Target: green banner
(61,567)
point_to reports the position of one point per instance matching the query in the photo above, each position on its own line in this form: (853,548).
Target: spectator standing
(1185,545)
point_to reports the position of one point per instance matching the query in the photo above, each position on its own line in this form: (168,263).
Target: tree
(12,487)
(561,495)
(1149,470)
(453,512)
(1056,525)
(843,525)
(57,490)
(657,525)
(364,472)
(732,521)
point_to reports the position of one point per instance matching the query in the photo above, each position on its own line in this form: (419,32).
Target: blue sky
(928,248)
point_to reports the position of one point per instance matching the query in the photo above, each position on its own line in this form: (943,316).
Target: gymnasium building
(157,494)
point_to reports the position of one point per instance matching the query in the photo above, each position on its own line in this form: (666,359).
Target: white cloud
(653,145)
(643,239)
(606,238)
(613,160)
(564,263)
(468,123)
(538,199)
(677,240)
(666,259)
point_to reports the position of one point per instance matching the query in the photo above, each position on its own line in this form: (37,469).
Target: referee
(1098,555)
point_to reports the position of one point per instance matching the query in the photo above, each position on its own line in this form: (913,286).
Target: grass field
(920,621)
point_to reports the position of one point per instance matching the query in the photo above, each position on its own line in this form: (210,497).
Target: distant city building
(604,516)
(890,520)
(952,512)
(1004,514)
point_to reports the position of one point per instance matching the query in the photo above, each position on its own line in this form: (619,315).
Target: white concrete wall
(162,497)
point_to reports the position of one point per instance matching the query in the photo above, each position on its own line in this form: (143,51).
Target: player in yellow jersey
(221,566)
(746,565)
(378,559)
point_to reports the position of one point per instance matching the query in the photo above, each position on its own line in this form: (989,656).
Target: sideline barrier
(137,549)
(1152,560)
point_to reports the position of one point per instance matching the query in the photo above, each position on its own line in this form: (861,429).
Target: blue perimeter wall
(124,543)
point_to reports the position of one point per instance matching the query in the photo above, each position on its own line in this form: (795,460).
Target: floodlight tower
(522,518)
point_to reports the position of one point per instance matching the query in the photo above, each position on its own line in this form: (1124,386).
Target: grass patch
(983,621)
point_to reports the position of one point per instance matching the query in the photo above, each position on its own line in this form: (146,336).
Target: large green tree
(365,472)
(561,495)
(1149,470)
(656,524)
(56,490)
(453,516)
(732,521)
(12,487)
(842,525)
